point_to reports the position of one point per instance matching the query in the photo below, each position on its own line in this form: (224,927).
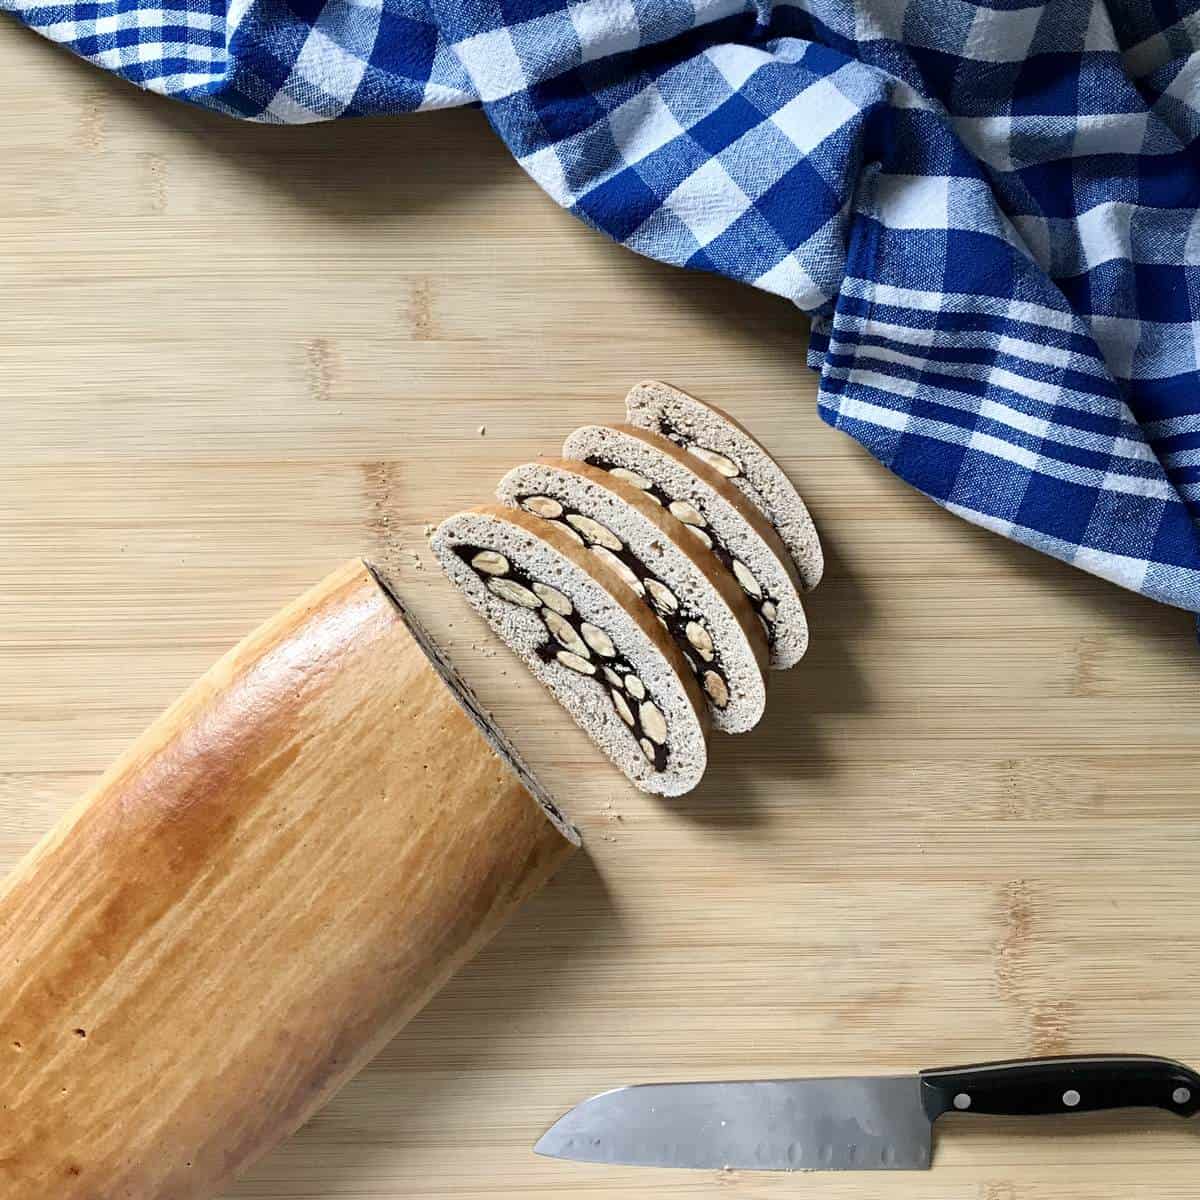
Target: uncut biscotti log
(252,901)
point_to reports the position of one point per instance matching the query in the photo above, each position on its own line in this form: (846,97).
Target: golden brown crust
(676,532)
(637,612)
(715,480)
(250,903)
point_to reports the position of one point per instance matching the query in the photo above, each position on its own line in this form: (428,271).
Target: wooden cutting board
(232,356)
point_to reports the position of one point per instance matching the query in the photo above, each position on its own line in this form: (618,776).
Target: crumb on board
(428,531)
(609,813)
(482,430)
(400,557)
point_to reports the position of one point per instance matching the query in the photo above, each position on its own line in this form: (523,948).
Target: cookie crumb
(482,430)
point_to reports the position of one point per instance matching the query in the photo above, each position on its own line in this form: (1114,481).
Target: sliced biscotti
(715,437)
(697,494)
(694,597)
(587,637)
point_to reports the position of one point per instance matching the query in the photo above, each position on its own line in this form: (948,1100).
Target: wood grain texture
(252,901)
(234,356)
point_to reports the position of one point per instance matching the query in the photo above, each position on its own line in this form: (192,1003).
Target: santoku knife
(859,1124)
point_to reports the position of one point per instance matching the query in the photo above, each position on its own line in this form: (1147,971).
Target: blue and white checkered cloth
(988,209)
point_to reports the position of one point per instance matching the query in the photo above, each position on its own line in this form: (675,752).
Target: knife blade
(865,1123)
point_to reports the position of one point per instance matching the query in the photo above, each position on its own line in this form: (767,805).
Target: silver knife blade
(858,1124)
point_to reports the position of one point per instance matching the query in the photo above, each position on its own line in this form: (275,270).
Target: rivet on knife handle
(1041,1086)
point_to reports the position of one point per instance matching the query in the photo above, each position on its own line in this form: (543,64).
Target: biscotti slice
(697,494)
(695,598)
(714,436)
(586,637)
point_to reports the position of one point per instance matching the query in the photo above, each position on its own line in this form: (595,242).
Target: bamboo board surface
(232,356)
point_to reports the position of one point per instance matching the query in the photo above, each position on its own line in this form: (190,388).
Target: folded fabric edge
(1008,419)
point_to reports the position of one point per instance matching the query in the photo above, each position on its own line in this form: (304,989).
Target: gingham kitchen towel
(988,209)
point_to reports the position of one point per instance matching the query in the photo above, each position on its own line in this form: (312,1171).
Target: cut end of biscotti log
(483,720)
(669,564)
(740,536)
(583,634)
(715,437)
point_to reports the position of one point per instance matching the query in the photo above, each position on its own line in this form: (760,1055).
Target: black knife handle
(1083,1083)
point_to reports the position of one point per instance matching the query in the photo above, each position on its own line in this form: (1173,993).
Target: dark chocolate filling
(718,546)
(548,650)
(671,431)
(676,622)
